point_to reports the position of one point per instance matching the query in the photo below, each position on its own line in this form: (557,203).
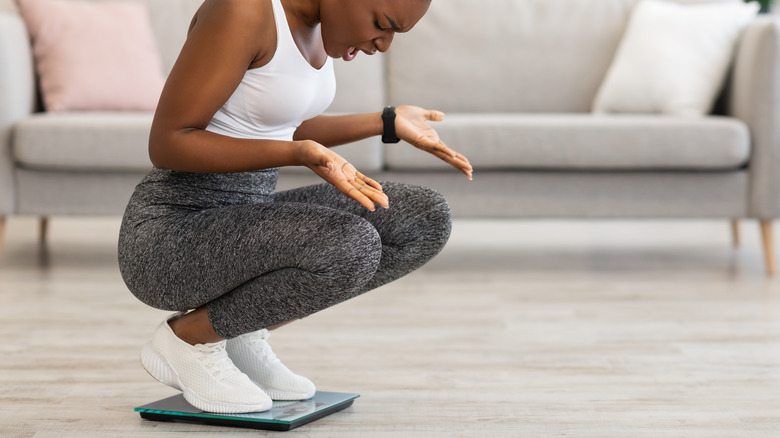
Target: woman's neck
(306,12)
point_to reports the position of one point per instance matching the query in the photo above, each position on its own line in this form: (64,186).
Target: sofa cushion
(119,141)
(584,142)
(83,141)
(508,55)
(94,56)
(170,21)
(673,58)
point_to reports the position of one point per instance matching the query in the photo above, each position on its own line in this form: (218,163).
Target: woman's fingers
(341,174)
(353,192)
(432,145)
(359,187)
(435,116)
(417,132)
(461,163)
(455,159)
(370,181)
(371,192)
(441,150)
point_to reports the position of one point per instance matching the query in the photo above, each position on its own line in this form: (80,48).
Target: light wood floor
(518,329)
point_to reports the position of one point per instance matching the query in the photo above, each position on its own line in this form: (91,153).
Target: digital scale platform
(284,415)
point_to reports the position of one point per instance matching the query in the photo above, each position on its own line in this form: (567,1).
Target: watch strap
(388,122)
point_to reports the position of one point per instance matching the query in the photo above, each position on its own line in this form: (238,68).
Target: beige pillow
(673,58)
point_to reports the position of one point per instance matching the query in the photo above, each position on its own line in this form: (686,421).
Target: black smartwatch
(388,121)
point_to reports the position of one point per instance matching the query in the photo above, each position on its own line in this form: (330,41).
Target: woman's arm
(226,37)
(332,131)
(411,125)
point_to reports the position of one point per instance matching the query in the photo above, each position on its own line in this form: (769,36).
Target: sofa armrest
(755,99)
(17,97)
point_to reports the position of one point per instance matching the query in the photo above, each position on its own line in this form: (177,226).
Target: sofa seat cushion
(584,142)
(84,141)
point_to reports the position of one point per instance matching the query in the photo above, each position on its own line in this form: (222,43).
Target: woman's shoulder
(247,21)
(255,14)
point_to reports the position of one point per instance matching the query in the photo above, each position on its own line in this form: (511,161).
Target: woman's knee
(428,216)
(439,213)
(348,254)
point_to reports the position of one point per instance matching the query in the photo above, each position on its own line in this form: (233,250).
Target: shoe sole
(285,396)
(159,368)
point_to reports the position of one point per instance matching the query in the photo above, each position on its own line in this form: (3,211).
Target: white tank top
(273,100)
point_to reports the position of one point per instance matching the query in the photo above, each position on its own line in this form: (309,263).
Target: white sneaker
(204,373)
(251,353)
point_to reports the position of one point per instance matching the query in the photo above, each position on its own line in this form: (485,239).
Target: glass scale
(284,415)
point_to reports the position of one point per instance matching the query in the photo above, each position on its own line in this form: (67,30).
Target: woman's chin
(351,54)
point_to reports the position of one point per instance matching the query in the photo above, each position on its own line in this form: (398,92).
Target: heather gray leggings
(256,258)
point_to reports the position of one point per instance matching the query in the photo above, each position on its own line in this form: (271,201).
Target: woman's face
(351,26)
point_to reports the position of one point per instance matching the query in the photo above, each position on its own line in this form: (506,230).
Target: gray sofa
(516,78)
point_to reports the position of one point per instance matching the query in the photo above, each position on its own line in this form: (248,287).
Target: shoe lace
(258,341)
(215,359)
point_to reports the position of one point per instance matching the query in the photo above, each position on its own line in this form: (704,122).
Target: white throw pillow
(673,58)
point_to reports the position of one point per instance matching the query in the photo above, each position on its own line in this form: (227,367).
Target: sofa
(517,80)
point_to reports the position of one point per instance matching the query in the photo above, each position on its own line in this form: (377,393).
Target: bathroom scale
(284,415)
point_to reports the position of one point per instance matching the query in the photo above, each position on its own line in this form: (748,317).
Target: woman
(204,230)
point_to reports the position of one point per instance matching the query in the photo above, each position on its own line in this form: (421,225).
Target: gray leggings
(256,258)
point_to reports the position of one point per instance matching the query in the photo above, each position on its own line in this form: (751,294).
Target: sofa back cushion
(508,55)
(170,20)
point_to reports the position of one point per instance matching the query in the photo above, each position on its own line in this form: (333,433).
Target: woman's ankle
(195,328)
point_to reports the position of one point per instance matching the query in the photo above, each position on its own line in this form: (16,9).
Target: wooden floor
(518,329)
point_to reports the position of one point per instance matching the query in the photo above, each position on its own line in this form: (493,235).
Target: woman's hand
(334,169)
(411,125)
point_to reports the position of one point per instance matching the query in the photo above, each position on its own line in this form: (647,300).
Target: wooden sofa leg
(769,247)
(735,232)
(43,230)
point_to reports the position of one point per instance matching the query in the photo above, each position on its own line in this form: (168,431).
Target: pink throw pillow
(94,55)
